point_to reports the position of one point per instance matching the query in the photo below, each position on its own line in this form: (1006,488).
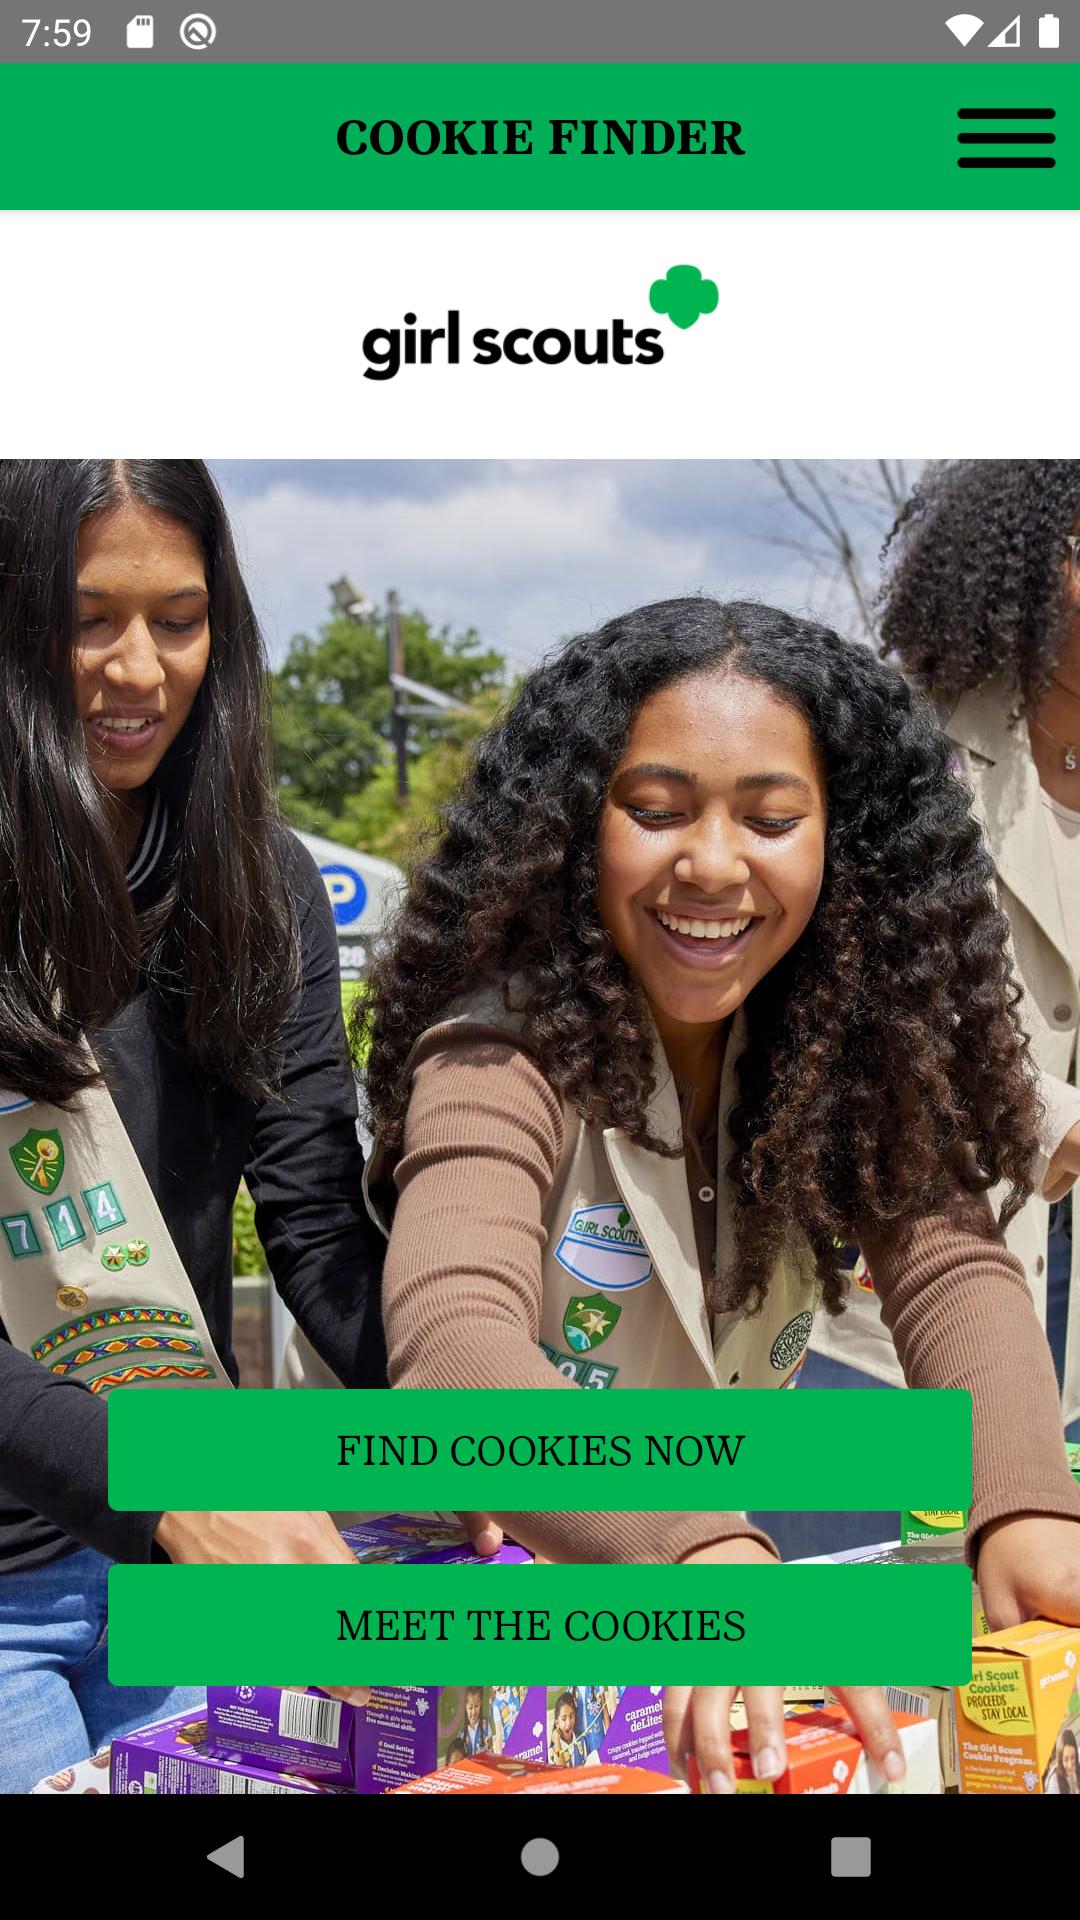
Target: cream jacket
(996,762)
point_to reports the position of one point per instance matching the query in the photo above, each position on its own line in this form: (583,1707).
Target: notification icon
(198,32)
(140,30)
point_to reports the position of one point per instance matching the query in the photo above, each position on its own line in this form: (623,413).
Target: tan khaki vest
(1004,787)
(623,1303)
(91,1285)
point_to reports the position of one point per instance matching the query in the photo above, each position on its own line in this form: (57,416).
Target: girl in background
(981,607)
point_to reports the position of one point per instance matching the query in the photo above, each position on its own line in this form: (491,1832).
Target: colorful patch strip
(109,1317)
(105,1381)
(129,1343)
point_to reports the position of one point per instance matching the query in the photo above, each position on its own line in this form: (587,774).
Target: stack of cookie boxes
(295,1740)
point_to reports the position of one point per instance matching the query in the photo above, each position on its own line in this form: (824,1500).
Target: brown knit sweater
(462,1291)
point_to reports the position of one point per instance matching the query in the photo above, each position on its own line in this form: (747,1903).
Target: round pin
(138,1253)
(114,1258)
(71,1298)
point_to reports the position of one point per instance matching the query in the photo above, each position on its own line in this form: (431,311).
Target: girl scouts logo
(603,1246)
(587,1323)
(39,1160)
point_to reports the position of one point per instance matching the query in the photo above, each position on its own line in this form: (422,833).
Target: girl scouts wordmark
(618,343)
(682,295)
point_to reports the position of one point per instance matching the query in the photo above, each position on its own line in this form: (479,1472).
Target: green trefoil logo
(684,295)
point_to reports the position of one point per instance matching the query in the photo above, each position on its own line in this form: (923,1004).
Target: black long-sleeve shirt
(302,1162)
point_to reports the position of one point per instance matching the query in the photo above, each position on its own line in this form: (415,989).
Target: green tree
(331,720)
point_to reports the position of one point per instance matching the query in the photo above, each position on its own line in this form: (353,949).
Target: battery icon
(1049,30)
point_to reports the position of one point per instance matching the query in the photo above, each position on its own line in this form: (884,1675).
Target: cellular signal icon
(964,26)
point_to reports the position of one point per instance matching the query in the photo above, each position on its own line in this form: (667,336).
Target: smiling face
(711,846)
(143,639)
(565,1721)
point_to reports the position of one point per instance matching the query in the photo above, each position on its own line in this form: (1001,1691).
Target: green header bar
(516,1450)
(428,1626)
(820,136)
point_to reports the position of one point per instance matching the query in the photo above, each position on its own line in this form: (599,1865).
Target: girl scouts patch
(587,1323)
(38,1159)
(602,1246)
(790,1341)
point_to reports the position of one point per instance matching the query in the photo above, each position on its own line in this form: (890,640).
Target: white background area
(837,334)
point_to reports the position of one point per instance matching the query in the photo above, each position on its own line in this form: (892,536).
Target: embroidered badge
(108,1317)
(127,1343)
(587,1373)
(38,1159)
(104,1208)
(113,1258)
(791,1341)
(138,1253)
(588,1321)
(20,1234)
(106,1381)
(64,1222)
(602,1245)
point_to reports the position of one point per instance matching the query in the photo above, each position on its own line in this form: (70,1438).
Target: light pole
(427,702)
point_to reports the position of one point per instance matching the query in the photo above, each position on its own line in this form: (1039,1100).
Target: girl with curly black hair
(703,976)
(982,607)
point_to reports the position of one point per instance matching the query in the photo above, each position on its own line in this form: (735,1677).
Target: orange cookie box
(825,1755)
(1018,1718)
(485,1774)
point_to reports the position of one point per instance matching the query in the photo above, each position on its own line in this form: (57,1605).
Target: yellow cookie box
(1018,1718)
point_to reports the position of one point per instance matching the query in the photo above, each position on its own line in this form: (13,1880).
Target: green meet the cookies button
(420,1625)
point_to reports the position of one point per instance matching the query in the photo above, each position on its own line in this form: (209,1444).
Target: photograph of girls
(733,811)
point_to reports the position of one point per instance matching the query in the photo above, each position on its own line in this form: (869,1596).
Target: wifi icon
(965,26)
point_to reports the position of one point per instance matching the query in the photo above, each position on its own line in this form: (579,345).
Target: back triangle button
(230,1856)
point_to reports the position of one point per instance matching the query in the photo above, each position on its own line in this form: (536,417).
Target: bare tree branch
(833,498)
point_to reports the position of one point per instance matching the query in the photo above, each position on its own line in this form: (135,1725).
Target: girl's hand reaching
(310,1539)
(697,1720)
(1028,1568)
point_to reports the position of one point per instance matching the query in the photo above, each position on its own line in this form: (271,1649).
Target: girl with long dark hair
(170,1022)
(702,977)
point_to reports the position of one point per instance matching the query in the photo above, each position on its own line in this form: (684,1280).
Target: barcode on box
(241,1783)
(902,1701)
(303,1716)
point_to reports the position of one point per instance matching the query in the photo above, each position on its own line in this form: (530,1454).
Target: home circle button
(539,1857)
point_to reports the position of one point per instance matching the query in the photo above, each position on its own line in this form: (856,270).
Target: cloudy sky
(530,551)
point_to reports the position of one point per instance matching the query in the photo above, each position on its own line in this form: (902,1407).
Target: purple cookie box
(249,1720)
(614,1726)
(408,1538)
(405,1732)
(158,1759)
(298,1729)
